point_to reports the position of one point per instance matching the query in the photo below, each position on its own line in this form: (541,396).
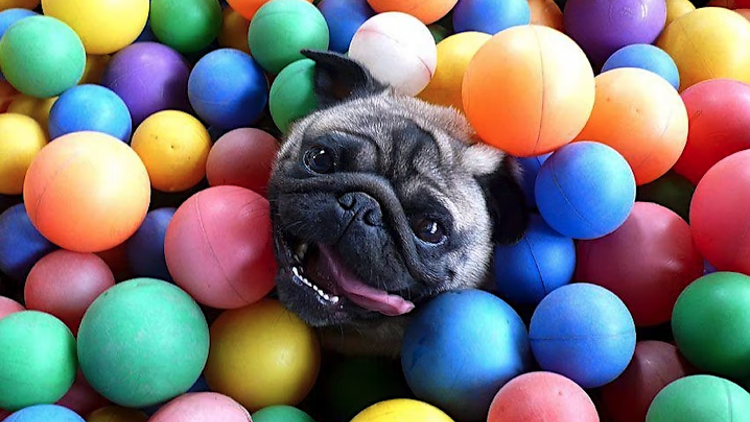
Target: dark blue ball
(145,249)
(147,35)
(45,413)
(529,168)
(648,57)
(21,244)
(490,16)
(344,17)
(460,348)
(90,107)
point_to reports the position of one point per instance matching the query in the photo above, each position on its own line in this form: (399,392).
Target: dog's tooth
(335,299)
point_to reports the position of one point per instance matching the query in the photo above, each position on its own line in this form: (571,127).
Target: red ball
(647,262)
(81,398)
(64,283)
(719,116)
(542,396)
(655,364)
(218,247)
(242,157)
(718,214)
(9,306)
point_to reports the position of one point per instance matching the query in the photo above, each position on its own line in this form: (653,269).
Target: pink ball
(81,398)
(64,283)
(9,306)
(218,247)
(242,157)
(202,407)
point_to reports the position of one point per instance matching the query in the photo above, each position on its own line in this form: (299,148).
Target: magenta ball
(201,407)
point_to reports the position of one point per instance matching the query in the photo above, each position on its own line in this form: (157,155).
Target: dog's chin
(314,282)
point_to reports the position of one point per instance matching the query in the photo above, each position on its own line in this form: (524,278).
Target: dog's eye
(319,160)
(428,230)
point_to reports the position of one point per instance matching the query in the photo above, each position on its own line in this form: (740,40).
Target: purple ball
(149,77)
(602,27)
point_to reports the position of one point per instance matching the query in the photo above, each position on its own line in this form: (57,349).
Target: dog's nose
(364,207)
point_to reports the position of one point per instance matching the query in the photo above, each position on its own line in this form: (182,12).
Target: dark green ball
(188,26)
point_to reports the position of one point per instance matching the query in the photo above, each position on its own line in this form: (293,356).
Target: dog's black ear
(338,78)
(506,202)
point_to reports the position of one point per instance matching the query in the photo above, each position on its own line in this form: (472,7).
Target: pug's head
(380,201)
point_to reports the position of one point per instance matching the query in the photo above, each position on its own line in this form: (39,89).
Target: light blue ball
(344,17)
(490,16)
(228,89)
(648,57)
(90,107)
(45,413)
(541,262)
(584,332)
(585,190)
(460,348)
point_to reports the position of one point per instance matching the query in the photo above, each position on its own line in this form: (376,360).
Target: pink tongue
(358,292)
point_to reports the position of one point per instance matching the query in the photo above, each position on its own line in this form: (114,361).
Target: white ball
(397,49)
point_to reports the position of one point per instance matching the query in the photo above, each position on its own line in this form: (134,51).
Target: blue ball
(529,168)
(541,262)
(45,413)
(344,17)
(490,16)
(147,34)
(228,89)
(460,348)
(21,244)
(145,249)
(584,332)
(585,190)
(10,16)
(90,107)
(645,56)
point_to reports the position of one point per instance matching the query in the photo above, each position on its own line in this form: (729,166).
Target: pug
(379,202)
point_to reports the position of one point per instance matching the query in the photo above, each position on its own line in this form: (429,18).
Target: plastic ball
(426,11)
(292,94)
(90,108)
(655,364)
(44,412)
(708,43)
(530,168)
(9,16)
(645,56)
(281,28)
(585,190)
(717,213)
(639,114)
(173,146)
(453,56)
(21,139)
(36,108)
(149,77)
(7,94)
(104,26)
(202,407)
(397,49)
(38,363)
(218,247)
(402,410)
(547,13)
(116,414)
(439,369)
(745,13)
(81,398)
(42,56)
(584,332)
(262,355)
(647,262)
(671,190)
(248,8)
(708,321)
(142,342)
(242,157)
(228,103)
(281,413)
(542,261)
(21,244)
(9,306)
(542,396)
(234,28)
(198,25)
(677,8)
(344,17)
(490,16)
(534,111)
(87,191)
(95,65)
(145,249)
(699,398)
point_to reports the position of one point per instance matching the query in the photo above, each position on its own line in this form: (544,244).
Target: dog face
(380,201)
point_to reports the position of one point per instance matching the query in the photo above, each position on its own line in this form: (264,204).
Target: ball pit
(90,108)
(21,139)
(490,16)
(699,398)
(242,157)
(198,25)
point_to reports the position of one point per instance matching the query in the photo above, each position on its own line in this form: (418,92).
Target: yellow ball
(234,29)
(708,43)
(116,414)
(20,4)
(95,65)
(402,410)
(105,26)
(453,56)
(677,8)
(262,355)
(21,139)
(174,148)
(36,108)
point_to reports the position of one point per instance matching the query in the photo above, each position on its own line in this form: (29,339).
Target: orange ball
(247,8)
(529,90)
(234,29)
(427,11)
(7,94)
(547,13)
(87,191)
(641,115)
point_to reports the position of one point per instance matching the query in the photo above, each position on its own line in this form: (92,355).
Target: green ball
(672,191)
(281,28)
(711,322)
(281,413)
(142,342)
(188,26)
(700,398)
(292,96)
(37,360)
(42,57)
